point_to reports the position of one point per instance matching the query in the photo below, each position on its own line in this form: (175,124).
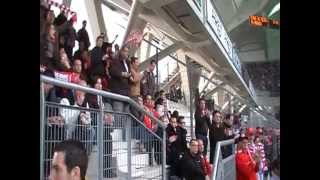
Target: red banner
(67,76)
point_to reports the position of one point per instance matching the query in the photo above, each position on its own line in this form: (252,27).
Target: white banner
(217,27)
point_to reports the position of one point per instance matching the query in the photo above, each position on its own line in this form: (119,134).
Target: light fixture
(275,9)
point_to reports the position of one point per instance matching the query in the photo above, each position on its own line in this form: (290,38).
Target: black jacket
(97,66)
(119,84)
(148,84)
(202,123)
(83,36)
(215,135)
(192,167)
(182,140)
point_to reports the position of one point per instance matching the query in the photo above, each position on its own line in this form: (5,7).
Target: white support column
(184,77)
(100,19)
(94,15)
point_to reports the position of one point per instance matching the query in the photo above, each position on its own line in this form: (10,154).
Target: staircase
(174,75)
(140,168)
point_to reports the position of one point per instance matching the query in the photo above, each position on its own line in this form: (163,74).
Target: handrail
(110,95)
(217,154)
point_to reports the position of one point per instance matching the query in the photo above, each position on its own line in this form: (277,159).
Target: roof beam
(162,54)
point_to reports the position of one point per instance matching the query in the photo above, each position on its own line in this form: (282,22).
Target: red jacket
(147,121)
(246,169)
(206,165)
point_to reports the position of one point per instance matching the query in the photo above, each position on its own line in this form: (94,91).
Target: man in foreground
(70,161)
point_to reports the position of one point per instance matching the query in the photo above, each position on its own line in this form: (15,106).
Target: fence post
(42,122)
(128,131)
(164,173)
(100,139)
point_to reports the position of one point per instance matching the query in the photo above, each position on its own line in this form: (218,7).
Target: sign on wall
(261,21)
(217,27)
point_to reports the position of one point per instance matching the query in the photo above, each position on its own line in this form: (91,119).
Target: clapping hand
(172,138)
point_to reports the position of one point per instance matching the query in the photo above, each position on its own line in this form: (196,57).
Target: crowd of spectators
(108,68)
(265,76)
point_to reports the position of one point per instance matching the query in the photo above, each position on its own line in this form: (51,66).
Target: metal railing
(224,169)
(110,138)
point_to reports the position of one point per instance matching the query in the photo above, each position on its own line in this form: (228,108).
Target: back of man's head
(175,114)
(152,65)
(74,156)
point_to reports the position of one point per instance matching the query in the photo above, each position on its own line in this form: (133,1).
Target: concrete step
(139,162)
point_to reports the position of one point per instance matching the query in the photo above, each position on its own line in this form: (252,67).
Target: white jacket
(71,116)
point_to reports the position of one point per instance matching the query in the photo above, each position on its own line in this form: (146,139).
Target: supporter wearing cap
(250,135)
(250,132)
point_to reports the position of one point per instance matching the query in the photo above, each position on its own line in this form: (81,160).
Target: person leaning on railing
(78,122)
(55,129)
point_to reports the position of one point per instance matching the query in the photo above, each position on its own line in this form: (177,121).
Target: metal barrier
(275,146)
(111,138)
(224,169)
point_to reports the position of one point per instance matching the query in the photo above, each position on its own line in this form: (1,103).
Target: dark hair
(243,138)
(175,114)
(192,141)
(228,116)
(124,46)
(94,80)
(153,61)
(172,117)
(159,101)
(215,112)
(255,138)
(202,99)
(84,21)
(99,37)
(74,155)
(133,60)
(180,118)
